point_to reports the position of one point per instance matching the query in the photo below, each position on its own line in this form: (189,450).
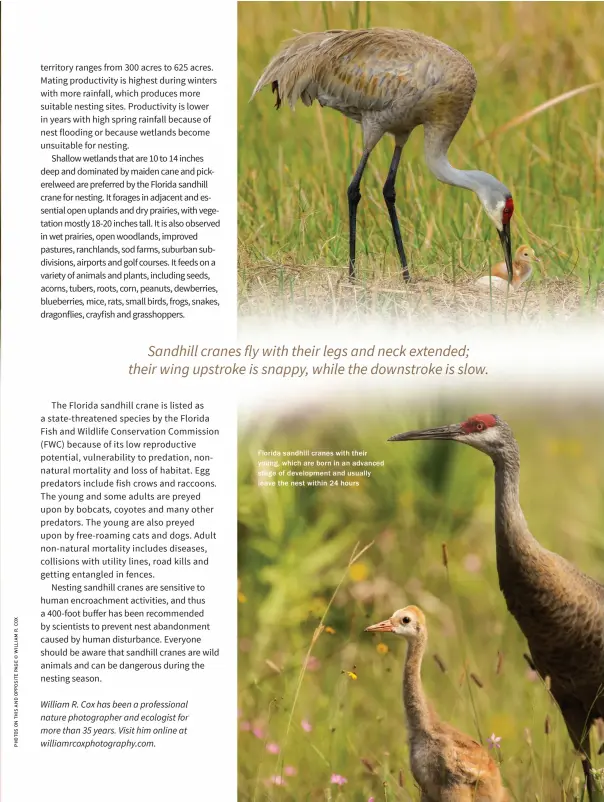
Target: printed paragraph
(129,222)
(314,468)
(110,724)
(128,501)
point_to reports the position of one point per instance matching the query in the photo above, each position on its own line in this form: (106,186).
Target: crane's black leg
(390,198)
(354,196)
(578,725)
(589,780)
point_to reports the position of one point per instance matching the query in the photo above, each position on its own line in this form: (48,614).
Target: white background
(60,360)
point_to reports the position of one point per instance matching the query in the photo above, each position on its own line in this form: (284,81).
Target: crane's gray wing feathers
(369,70)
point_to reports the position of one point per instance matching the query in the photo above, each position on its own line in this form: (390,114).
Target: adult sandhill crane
(447,765)
(559,609)
(390,81)
(522,268)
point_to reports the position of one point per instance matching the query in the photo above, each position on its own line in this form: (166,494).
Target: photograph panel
(378,515)
(341,201)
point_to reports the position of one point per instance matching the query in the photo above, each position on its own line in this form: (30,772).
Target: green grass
(294,548)
(294,167)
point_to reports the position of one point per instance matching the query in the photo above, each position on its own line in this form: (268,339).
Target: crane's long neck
(436,145)
(445,172)
(416,704)
(514,540)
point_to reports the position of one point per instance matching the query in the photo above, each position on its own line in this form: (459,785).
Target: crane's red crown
(478,423)
(508,211)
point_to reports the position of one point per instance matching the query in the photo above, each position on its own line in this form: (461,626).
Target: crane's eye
(406,620)
(507,211)
(480,426)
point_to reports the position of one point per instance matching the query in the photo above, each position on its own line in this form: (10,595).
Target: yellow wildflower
(358,572)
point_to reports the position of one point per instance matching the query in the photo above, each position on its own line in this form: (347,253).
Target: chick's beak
(506,242)
(437,433)
(383,626)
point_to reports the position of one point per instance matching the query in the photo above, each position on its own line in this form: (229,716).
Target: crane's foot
(398,239)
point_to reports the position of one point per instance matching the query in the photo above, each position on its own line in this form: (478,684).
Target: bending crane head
(487,433)
(409,623)
(497,201)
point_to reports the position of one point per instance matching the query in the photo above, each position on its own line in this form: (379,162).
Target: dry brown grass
(291,291)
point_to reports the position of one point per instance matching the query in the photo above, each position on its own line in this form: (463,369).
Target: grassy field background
(294,167)
(301,729)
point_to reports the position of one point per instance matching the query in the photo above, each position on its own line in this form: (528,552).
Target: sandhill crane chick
(390,81)
(559,609)
(447,765)
(522,268)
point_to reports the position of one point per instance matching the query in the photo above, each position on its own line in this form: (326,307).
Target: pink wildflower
(306,725)
(277,779)
(337,779)
(291,771)
(273,748)
(494,741)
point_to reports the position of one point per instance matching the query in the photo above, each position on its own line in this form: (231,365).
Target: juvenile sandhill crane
(559,609)
(390,81)
(522,268)
(447,765)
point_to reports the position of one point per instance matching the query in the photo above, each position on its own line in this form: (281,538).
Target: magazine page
(119,482)
(302,386)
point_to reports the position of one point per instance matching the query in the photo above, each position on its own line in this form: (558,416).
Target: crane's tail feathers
(291,72)
(275,88)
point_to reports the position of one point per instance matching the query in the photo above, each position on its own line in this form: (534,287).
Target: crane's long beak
(506,241)
(438,433)
(383,626)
